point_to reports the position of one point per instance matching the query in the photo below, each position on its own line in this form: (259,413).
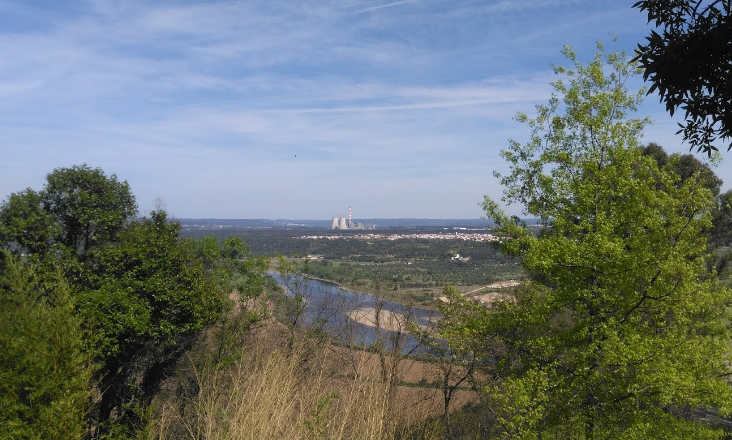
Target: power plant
(343,223)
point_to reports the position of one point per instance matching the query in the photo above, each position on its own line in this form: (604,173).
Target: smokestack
(350,223)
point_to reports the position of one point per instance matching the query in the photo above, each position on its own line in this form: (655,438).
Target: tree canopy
(722,219)
(686,166)
(78,208)
(90,207)
(688,64)
(25,225)
(620,330)
(135,296)
(146,299)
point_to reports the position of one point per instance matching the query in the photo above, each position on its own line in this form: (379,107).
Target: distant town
(435,236)
(369,224)
(344,223)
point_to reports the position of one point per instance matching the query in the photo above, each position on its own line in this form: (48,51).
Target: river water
(327,306)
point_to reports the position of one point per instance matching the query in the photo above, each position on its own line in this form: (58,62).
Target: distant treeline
(214,224)
(408,270)
(287,242)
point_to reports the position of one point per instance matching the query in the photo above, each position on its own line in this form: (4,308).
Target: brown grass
(282,388)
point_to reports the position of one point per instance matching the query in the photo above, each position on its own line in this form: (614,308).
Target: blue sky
(291,108)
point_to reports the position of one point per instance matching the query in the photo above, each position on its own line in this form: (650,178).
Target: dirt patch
(387,320)
(503,284)
(490,298)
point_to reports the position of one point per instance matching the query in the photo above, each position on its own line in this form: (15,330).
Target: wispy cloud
(205,102)
(385,5)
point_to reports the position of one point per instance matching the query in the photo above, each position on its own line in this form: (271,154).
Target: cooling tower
(334,225)
(343,224)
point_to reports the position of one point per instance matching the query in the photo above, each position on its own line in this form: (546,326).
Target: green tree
(722,220)
(657,152)
(688,167)
(25,225)
(142,292)
(90,207)
(619,331)
(455,362)
(79,208)
(720,238)
(148,299)
(688,64)
(232,270)
(44,370)
(228,264)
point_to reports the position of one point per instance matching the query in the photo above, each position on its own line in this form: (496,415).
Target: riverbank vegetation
(410,271)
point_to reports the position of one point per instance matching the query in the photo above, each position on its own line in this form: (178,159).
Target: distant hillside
(380,223)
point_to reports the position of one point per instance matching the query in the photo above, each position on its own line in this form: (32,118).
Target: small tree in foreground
(44,372)
(620,331)
(142,293)
(149,300)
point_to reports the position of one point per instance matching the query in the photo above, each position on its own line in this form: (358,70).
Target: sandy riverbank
(388,320)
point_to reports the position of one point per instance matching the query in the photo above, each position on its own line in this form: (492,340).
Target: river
(328,306)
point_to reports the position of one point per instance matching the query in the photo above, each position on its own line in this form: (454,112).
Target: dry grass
(285,389)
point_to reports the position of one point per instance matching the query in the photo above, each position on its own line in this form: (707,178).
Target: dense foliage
(132,294)
(621,330)
(147,298)
(79,208)
(719,235)
(722,220)
(45,373)
(688,65)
